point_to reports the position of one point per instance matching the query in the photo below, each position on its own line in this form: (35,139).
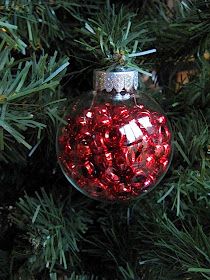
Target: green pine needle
(111,36)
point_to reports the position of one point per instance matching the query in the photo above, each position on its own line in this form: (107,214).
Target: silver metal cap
(125,80)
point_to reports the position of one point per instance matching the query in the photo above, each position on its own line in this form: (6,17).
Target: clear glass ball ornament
(117,144)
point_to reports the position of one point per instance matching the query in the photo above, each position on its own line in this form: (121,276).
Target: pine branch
(9,37)
(39,23)
(164,235)
(75,276)
(113,38)
(53,231)
(187,22)
(23,105)
(4,265)
(188,249)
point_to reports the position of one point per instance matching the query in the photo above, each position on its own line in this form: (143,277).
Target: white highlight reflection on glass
(145,122)
(132,131)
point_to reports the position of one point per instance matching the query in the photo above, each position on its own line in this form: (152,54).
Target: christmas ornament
(116,145)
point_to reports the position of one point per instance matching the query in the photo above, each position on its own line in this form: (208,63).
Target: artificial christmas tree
(48,51)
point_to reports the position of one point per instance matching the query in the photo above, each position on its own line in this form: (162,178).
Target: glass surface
(116,146)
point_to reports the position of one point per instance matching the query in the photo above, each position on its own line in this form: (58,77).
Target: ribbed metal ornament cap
(120,80)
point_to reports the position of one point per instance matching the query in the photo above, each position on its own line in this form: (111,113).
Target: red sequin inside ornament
(115,152)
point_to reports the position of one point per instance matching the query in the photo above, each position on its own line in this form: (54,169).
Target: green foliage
(188,248)
(73,276)
(175,28)
(193,128)
(4,265)
(9,37)
(114,37)
(127,273)
(38,22)
(53,234)
(163,235)
(23,105)
(185,251)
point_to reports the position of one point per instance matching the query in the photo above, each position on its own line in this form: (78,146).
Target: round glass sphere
(115,146)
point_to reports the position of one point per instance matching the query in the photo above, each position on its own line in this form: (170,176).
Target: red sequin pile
(114,152)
